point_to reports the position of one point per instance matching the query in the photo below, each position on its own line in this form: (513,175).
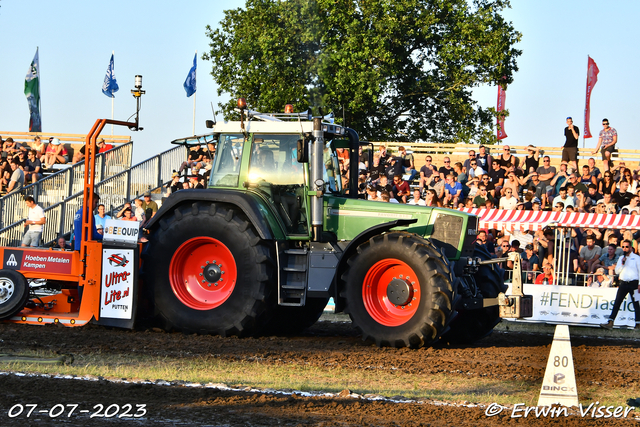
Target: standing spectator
(33,168)
(35,221)
(408,165)
(628,271)
(101,216)
(16,181)
(607,140)
(138,211)
(484,159)
(570,149)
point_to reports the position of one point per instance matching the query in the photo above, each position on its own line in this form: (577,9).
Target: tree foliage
(399,69)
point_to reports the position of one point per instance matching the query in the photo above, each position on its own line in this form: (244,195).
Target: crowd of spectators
(23,164)
(194,172)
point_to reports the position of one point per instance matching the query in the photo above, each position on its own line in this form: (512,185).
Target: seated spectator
(586,178)
(127,215)
(103,146)
(484,159)
(78,156)
(508,201)
(101,216)
(600,279)
(497,175)
(532,160)
(481,197)
(11,147)
(622,196)
(61,244)
(55,153)
(383,185)
(447,169)
(194,158)
(426,172)
(437,185)
(475,170)
(400,189)
(39,146)
(546,277)
(607,185)
(593,170)
(33,168)
(431,198)
(385,197)
(562,198)
(633,205)
(546,172)
(407,162)
(589,254)
(416,200)
(453,191)
(16,182)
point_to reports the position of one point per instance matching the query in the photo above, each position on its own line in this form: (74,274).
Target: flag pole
(193,128)
(113,52)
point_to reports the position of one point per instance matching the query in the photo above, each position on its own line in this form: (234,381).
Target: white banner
(116,296)
(577,305)
(116,230)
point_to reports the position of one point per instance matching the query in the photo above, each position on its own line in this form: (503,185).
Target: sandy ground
(611,363)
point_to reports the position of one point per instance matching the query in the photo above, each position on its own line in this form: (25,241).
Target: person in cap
(600,279)
(103,146)
(150,207)
(55,153)
(570,149)
(173,185)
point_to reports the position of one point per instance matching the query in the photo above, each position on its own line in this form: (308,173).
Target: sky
(158,39)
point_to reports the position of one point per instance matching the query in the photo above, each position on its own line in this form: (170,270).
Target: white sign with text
(116,296)
(116,230)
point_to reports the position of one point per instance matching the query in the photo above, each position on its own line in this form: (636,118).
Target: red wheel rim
(375,292)
(192,267)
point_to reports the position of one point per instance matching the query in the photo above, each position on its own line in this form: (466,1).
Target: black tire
(417,309)
(183,249)
(14,292)
(472,325)
(288,320)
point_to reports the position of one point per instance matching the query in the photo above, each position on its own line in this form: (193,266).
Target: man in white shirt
(628,271)
(508,201)
(35,221)
(417,200)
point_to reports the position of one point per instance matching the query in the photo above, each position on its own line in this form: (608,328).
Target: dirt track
(614,364)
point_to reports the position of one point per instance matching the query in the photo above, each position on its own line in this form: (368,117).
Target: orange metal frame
(85,266)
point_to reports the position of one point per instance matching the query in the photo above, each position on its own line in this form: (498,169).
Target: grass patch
(388,383)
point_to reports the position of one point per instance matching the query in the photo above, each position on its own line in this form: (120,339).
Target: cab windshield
(226,166)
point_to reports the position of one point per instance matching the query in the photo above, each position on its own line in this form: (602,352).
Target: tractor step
(292,285)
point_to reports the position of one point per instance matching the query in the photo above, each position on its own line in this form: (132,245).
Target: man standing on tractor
(77,224)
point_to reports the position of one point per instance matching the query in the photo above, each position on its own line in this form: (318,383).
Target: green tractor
(279,231)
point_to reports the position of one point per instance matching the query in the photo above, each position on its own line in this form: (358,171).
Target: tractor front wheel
(398,290)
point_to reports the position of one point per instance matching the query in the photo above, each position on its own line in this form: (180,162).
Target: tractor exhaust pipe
(317,183)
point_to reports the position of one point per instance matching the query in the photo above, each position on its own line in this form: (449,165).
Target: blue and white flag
(190,82)
(110,85)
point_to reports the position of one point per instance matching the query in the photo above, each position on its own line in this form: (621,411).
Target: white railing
(61,196)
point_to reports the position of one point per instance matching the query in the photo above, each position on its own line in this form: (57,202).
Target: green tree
(399,69)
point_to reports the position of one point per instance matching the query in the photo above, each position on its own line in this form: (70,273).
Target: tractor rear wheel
(14,292)
(209,272)
(472,325)
(397,290)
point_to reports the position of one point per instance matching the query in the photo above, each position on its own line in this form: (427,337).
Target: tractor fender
(357,241)
(247,203)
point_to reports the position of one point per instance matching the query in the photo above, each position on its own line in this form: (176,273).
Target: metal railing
(114,189)
(63,184)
